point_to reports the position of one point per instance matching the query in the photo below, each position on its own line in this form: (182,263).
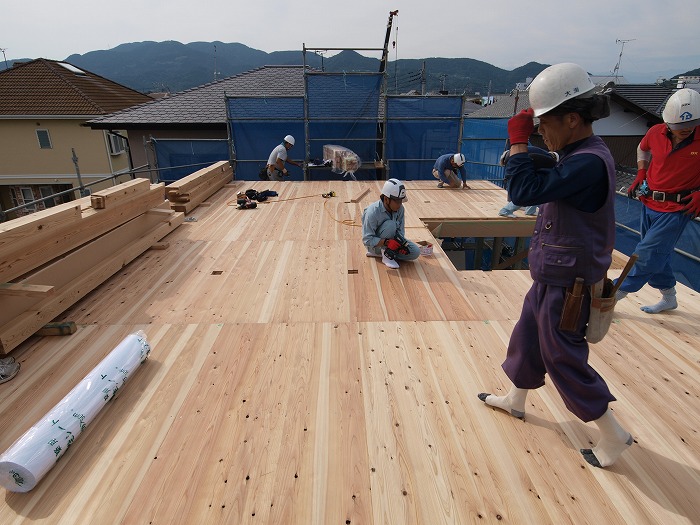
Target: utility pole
(422,79)
(617,66)
(442,79)
(3,49)
(215,71)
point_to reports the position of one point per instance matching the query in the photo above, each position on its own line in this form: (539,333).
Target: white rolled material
(30,457)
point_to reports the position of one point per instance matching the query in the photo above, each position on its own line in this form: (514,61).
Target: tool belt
(571,311)
(602,309)
(663,196)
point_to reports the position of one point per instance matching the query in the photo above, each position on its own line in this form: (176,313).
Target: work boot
(504,212)
(391,263)
(8,371)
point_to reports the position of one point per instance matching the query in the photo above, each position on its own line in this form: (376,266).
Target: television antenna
(617,66)
(3,49)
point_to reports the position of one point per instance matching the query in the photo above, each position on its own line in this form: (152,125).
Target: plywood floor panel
(294,380)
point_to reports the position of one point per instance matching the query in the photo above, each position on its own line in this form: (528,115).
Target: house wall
(24,162)
(28,170)
(621,123)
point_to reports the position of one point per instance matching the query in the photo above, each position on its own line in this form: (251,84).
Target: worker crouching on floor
(448,169)
(571,249)
(383,227)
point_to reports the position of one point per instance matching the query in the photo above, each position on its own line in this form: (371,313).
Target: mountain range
(172,66)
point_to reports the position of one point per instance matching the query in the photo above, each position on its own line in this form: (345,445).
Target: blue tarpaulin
(178,158)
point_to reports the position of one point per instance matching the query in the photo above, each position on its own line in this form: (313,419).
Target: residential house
(634,108)
(46,148)
(189,128)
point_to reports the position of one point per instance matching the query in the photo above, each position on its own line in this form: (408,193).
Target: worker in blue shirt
(383,228)
(448,169)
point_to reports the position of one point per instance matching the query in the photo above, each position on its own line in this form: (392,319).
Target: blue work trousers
(660,233)
(537,347)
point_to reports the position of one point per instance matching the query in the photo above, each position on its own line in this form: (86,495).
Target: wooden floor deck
(292,380)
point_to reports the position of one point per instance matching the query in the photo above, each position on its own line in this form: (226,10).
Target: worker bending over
(448,169)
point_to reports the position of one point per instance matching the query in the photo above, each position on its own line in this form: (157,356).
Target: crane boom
(385,53)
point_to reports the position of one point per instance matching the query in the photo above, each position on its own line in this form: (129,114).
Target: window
(44,139)
(116,144)
(45,192)
(27,196)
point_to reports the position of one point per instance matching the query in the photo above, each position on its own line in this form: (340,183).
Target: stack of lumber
(51,259)
(189,192)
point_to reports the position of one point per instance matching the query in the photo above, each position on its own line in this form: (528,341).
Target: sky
(656,37)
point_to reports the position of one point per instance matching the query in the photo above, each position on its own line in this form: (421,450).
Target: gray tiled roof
(645,98)
(648,97)
(205,105)
(503,106)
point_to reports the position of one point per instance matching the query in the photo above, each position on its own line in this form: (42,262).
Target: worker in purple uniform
(572,242)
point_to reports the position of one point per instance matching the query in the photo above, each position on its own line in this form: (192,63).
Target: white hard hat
(289,139)
(458,159)
(682,109)
(394,189)
(557,84)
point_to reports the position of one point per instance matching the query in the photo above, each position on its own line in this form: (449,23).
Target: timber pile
(189,192)
(51,259)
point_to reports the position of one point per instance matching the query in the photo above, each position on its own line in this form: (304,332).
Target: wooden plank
(25,290)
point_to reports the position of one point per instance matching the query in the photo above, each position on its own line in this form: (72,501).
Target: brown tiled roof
(205,105)
(46,87)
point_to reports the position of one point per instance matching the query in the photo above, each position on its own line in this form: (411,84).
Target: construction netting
(177,158)
(346,110)
(419,130)
(483,143)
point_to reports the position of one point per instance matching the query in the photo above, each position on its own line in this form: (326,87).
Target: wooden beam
(359,197)
(18,260)
(119,193)
(83,270)
(521,227)
(25,290)
(64,328)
